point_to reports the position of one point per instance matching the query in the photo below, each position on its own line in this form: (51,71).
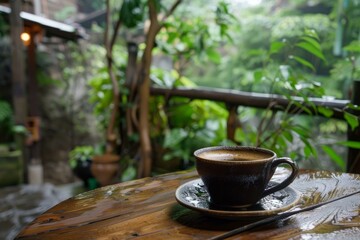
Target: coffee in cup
(238,177)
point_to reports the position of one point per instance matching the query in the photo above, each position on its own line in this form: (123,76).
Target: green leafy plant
(280,130)
(184,125)
(80,153)
(180,125)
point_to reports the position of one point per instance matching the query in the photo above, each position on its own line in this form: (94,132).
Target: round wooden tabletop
(147,209)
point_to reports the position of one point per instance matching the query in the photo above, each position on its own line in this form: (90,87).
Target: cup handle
(288,180)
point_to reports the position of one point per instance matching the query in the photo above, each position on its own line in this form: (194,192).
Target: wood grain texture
(147,209)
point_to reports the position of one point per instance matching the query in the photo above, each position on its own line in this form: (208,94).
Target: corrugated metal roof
(51,27)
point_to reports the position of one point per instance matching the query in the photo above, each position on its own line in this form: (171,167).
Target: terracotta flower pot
(105,168)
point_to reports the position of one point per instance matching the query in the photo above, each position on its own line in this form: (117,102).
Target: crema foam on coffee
(234,155)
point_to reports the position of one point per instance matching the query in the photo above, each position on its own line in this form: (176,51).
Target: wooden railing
(235,98)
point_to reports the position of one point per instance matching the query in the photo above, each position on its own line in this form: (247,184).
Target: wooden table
(147,209)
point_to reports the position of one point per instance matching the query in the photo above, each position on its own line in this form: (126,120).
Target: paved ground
(19,205)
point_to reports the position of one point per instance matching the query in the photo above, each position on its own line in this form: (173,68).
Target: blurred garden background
(139,85)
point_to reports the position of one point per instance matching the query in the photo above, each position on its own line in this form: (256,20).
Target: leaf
(281,142)
(353,107)
(327,112)
(312,41)
(128,174)
(353,47)
(288,136)
(311,33)
(275,47)
(301,131)
(334,156)
(352,144)
(303,107)
(171,37)
(258,74)
(131,13)
(308,149)
(213,55)
(311,49)
(303,62)
(352,120)
(174,137)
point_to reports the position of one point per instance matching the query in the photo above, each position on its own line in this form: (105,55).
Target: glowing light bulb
(25,36)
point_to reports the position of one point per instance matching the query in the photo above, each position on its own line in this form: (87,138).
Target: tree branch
(171,10)
(144,88)
(116,31)
(111,136)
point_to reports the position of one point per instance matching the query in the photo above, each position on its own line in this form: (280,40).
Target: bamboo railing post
(232,121)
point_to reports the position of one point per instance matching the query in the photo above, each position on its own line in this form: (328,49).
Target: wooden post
(35,169)
(353,165)
(232,121)
(18,77)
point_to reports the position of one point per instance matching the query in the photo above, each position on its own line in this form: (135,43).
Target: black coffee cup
(238,177)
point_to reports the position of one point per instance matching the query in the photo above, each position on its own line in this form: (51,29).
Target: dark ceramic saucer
(193,195)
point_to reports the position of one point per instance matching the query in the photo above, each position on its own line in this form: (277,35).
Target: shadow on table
(197,220)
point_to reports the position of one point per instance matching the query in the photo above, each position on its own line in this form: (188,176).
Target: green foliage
(279,130)
(182,126)
(80,153)
(310,44)
(196,38)
(352,120)
(351,14)
(5,111)
(293,26)
(180,40)
(347,69)
(351,144)
(325,111)
(353,50)
(100,93)
(281,60)
(129,173)
(6,121)
(131,13)
(280,54)
(189,125)
(224,19)
(101,96)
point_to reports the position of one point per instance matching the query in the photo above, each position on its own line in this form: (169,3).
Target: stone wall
(67,119)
